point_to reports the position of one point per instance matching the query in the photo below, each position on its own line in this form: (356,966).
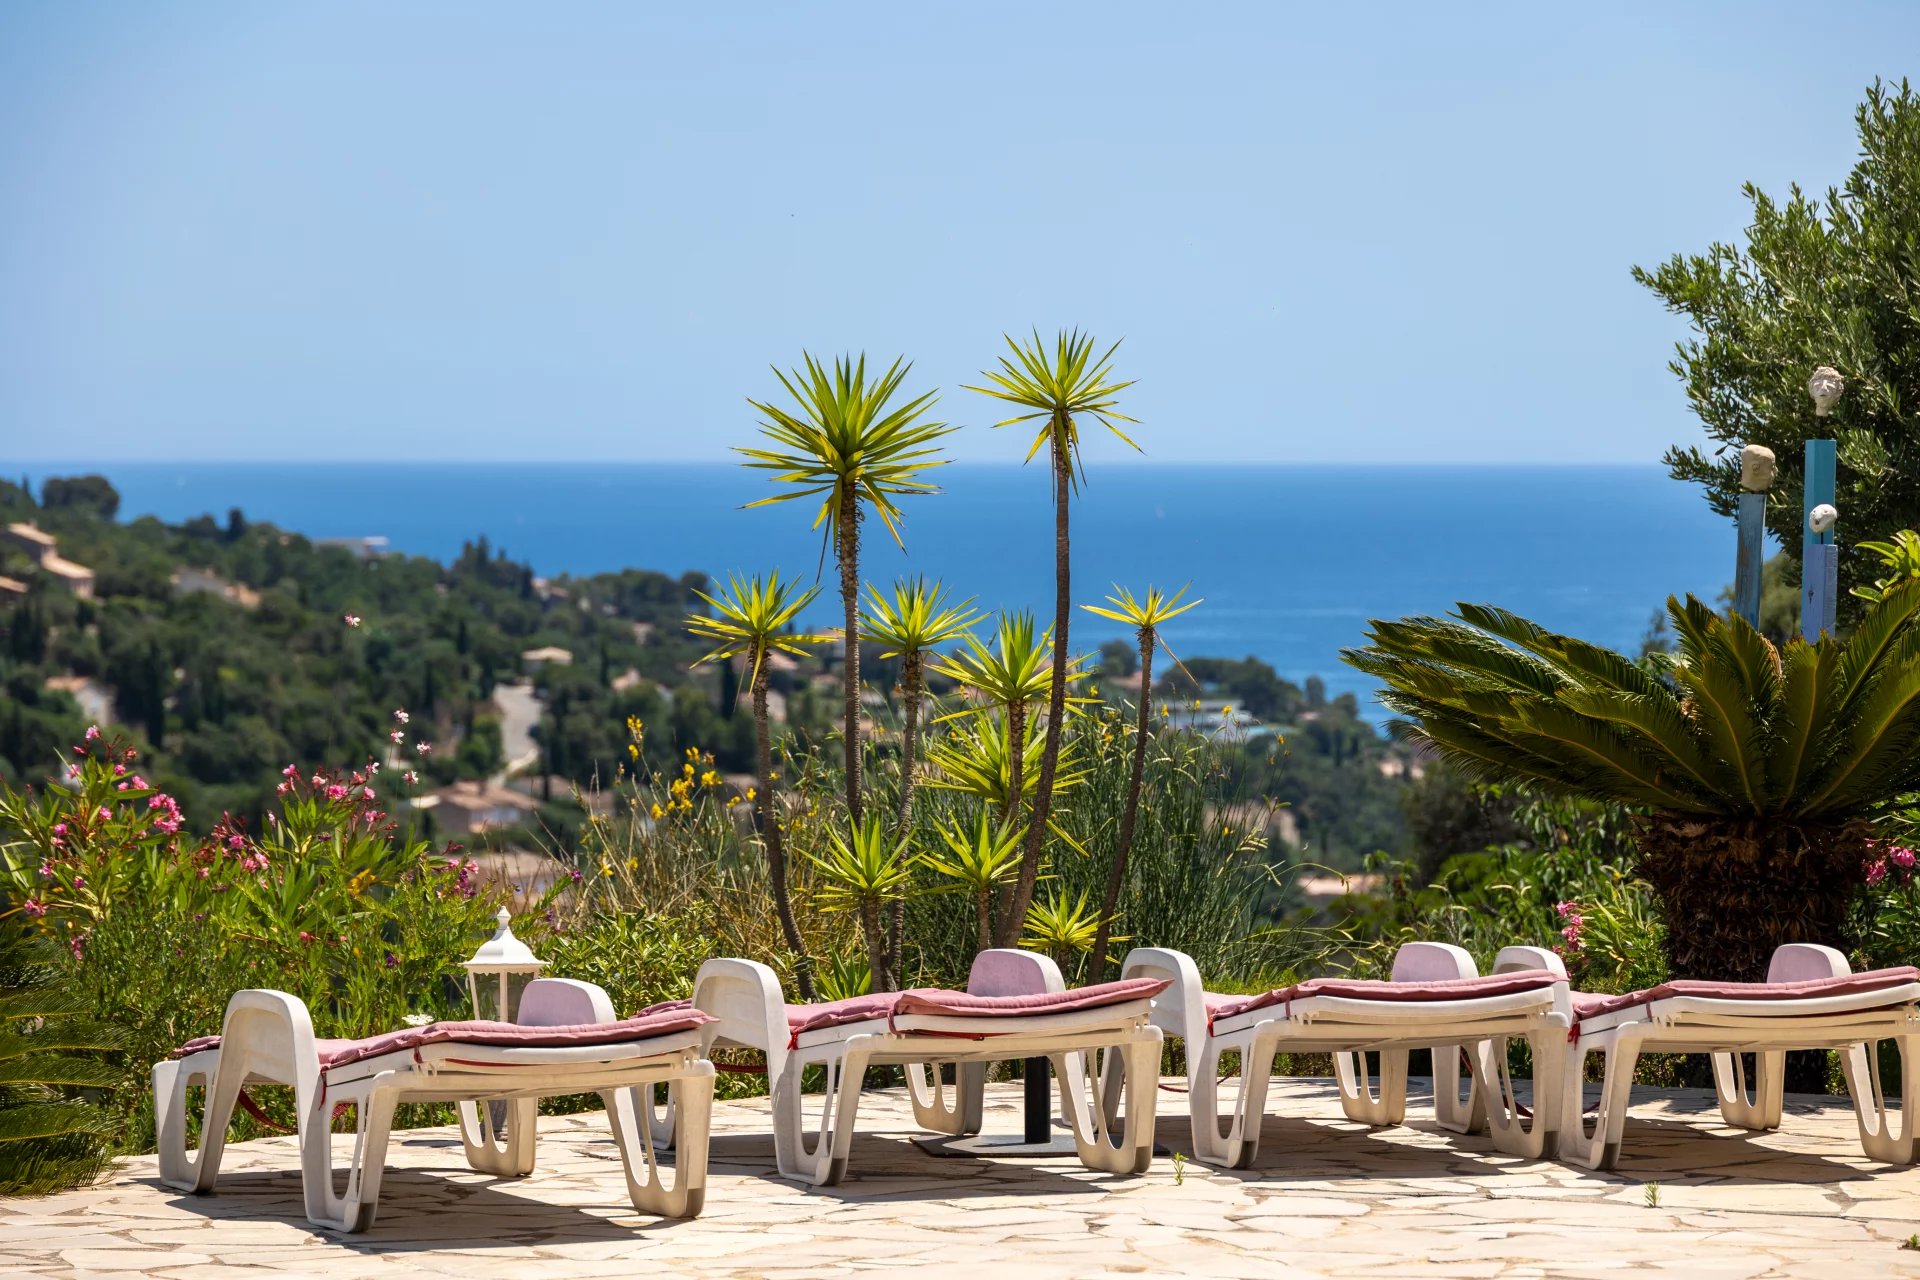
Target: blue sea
(1291,560)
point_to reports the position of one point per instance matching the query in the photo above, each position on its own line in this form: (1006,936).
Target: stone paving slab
(1327,1198)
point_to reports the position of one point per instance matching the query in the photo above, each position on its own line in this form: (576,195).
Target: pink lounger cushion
(494,1035)
(1436,990)
(1589,1005)
(959,1004)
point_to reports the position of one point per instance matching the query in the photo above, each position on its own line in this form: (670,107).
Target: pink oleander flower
(1901,858)
(119,771)
(319,779)
(93,733)
(203,873)
(1877,873)
(401,715)
(59,828)
(236,842)
(283,788)
(410,777)
(336,792)
(106,814)
(291,771)
(373,767)
(139,783)
(353,619)
(33,909)
(398,737)
(366,793)
(78,945)
(424,748)
(305,936)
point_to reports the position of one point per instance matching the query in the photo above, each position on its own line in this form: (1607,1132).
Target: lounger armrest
(1007,971)
(1799,961)
(745,997)
(563,1002)
(1180,1010)
(1520,959)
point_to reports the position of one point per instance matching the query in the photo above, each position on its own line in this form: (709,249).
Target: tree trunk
(1733,889)
(1014,726)
(983,905)
(1056,696)
(849,552)
(875,931)
(1117,876)
(774,841)
(911,681)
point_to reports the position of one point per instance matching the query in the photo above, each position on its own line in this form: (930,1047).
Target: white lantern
(498,972)
(1825,387)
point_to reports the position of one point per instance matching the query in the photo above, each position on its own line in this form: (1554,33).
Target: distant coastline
(1292,559)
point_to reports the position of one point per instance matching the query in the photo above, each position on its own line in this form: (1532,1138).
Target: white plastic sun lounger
(1435,1000)
(567,1040)
(1810,1000)
(1101,1041)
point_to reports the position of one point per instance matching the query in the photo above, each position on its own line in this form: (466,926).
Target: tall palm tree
(1056,391)
(909,624)
(1757,770)
(1146,615)
(842,443)
(751,618)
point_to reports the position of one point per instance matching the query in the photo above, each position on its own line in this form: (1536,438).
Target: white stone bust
(1825,387)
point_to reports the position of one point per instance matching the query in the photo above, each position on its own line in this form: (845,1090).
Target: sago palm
(751,618)
(865,871)
(1757,769)
(978,860)
(910,623)
(845,442)
(49,1139)
(1056,389)
(1146,615)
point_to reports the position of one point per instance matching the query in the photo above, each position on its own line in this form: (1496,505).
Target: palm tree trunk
(1014,726)
(1056,696)
(1117,876)
(910,685)
(876,935)
(983,904)
(775,843)
(849,552)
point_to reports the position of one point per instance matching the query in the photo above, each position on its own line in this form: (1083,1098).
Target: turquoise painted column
(1819,548)
(1819,553)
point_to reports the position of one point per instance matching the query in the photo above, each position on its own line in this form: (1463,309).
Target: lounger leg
(1238,1147)
(1506,1121)
(1883,1136)
(1600,1147)
(659,1107)
(825,1163)
(1112,1136)
(931,1106)
(192,1171)
(1357,1097)
(630,1116)
(353,1210)
(1450,1110)
(509,1158)
(1759,1109)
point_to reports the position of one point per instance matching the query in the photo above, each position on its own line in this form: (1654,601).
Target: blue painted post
(1819,552)
(1753,541)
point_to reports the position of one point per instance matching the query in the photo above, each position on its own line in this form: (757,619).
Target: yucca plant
(1060,926)
(49,1139)
(976,758)
(1756,770)
(1011,673)
(842,443)
(1056,389)
(866,871)
(978,860)
(1146,615)
(910,623)
(751,618)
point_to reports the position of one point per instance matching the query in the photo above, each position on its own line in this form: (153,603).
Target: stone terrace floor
(1327,1198)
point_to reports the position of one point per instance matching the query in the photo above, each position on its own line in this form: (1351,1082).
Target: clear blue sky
(507,231)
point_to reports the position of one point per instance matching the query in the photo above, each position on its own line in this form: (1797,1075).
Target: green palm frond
(982,857)
(1056,388)
(1010,668)
(1729,725)
(841,438)
(866,866)
(1059,926)
(974,759)
(752,617)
